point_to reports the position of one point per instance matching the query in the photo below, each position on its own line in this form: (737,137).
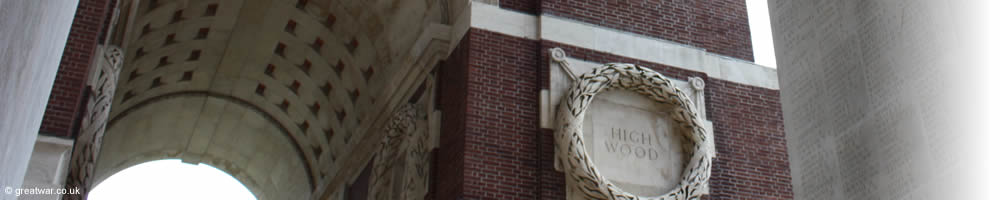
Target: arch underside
(245,143)
(274,92)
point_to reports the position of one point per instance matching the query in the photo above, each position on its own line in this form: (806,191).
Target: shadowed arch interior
(253,148)
(238,101)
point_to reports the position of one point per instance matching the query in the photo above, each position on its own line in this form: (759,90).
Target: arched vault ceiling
(324,70)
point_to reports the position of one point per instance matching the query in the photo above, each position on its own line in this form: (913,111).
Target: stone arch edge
(200,93)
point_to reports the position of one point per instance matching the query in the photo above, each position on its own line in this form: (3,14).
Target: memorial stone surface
(634,143)
(33,32)
(863,91)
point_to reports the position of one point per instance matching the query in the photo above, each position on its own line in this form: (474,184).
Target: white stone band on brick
(567,31)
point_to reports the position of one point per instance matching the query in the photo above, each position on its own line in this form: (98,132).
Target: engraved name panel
(633,143)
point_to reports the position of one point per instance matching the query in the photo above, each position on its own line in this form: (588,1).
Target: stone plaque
(634,143)
(627,132)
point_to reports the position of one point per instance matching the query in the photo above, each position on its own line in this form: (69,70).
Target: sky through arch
(170,179)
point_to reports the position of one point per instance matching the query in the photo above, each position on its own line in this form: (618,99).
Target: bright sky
(760,33)
(171,179)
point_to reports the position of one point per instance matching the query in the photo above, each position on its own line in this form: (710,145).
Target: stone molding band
(583,177)
(546,27)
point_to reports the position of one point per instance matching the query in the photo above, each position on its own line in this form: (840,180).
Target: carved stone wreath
(581,173)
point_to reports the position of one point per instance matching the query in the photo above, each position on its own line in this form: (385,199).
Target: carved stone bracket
(698,86)
(401,168)
(584,180)
(559,56)
(102,90)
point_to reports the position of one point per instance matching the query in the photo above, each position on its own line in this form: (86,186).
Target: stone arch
(232,99)
(318,71)
(244,142)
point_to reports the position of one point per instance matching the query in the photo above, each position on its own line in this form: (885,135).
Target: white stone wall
(31,45)
(874,97)
(48,167)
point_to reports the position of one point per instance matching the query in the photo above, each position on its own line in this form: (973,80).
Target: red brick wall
(752,160)
(505,155)
(501,157)
(719,26)
(496,148)
(452,84)
(553,183)
(67,91)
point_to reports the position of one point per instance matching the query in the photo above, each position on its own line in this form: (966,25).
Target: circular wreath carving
(577,164)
